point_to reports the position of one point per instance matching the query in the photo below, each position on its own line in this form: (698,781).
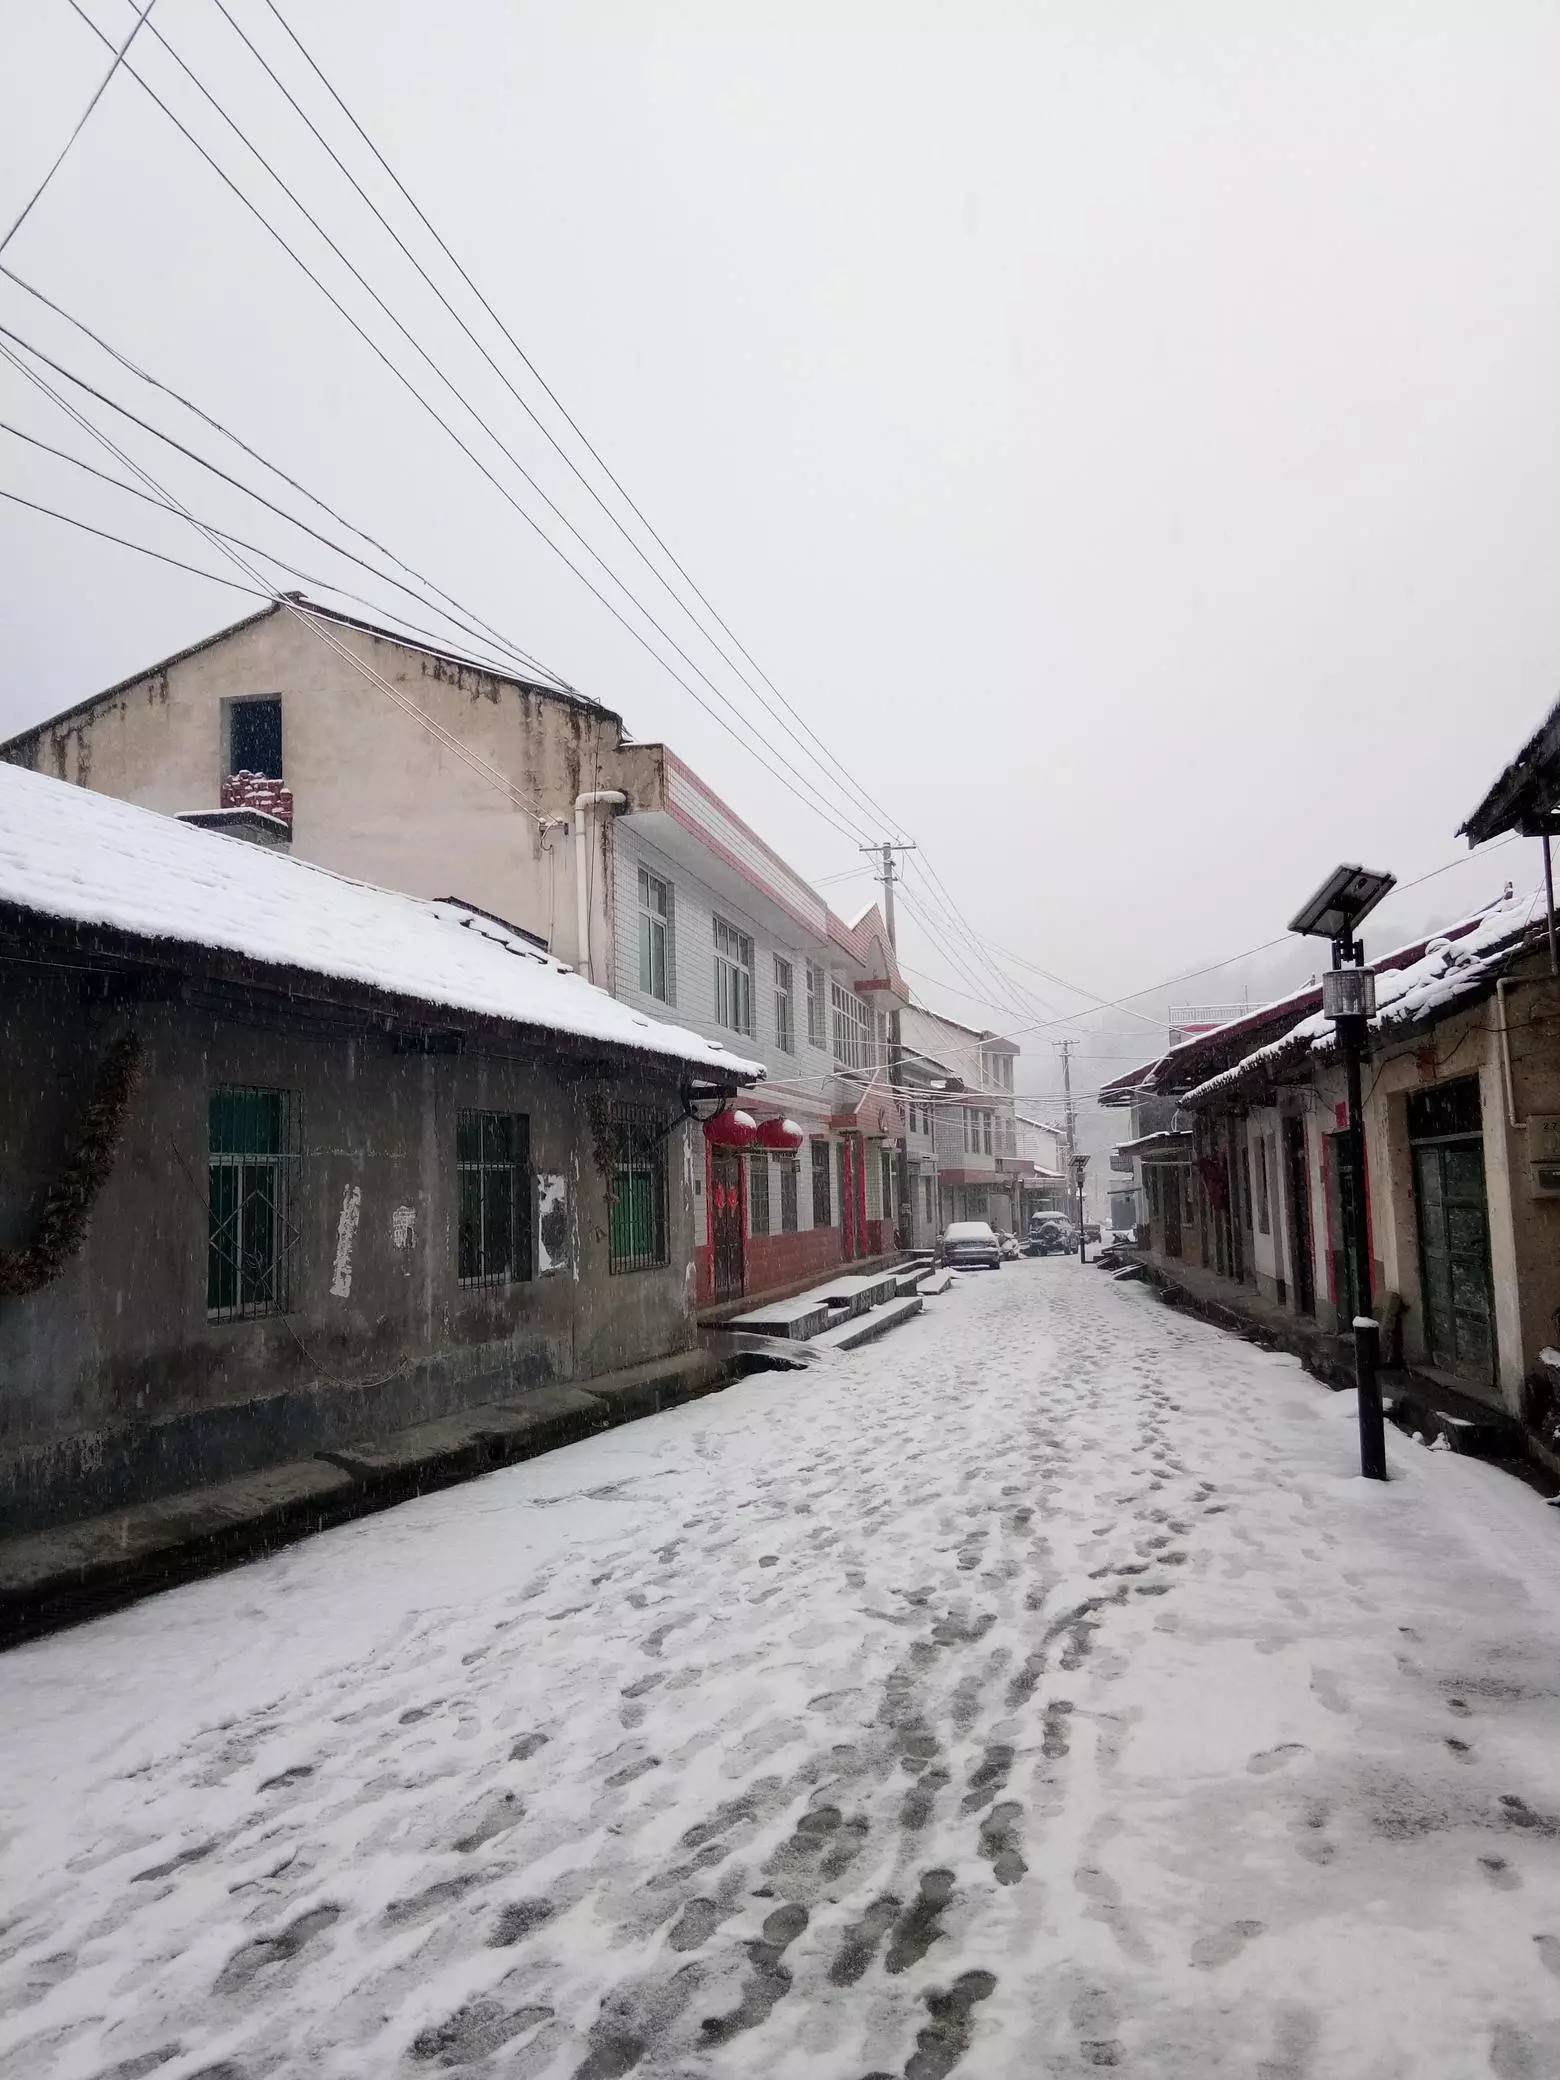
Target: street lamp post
(1080,1165)
(1343,901)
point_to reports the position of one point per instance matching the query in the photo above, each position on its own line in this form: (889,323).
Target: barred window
(733,977)
(823,1198)
(493,1198)
(252,1158)
(789,1168)
(758,1192)
(638,1226)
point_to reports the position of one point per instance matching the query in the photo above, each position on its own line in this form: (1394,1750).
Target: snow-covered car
(1050,1235)
(966,1243)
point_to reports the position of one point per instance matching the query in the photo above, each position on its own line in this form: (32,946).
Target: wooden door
(1301,1260)
(850,1225)
(1454,1257)
(1170,1200)
(726,1223)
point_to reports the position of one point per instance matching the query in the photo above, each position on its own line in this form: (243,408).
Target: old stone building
(287,1160)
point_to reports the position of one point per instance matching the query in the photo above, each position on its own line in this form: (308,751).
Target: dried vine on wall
(67,1206)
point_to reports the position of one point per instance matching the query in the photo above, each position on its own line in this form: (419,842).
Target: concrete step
(802,1316)
(866,1328)
(911,1281)
(939,1282)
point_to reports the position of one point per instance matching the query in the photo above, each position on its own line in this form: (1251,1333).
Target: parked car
(1008,1244)
(1050,1235)
(966,1243)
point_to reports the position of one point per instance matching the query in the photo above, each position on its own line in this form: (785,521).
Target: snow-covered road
(1034,1692)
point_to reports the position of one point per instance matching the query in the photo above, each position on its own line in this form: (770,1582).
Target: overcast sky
(1126,434)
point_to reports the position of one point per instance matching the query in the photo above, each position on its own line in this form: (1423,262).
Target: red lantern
(782,1135)
(731,1130)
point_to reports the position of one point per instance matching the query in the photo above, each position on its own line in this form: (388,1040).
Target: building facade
(370,754)
(287,1162)
(968,1117)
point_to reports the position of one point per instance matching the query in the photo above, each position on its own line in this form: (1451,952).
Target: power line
(238,540)
(429,723)
(438,418)
(140,548)
(468,624)
(829,768)
(98,92)
(874,808)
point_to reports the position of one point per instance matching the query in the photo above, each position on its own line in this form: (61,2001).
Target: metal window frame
(733,976)
(522,1211)
(790,1195)
(639,1135)
(822,1173)
(758,1194)
(785,1004)
(282,1164)
(652,921)
(817,1006)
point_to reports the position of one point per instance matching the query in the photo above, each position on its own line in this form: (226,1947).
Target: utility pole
(1074,1171)
(885,852)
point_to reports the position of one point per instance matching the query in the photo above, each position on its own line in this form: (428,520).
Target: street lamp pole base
(1373,1436)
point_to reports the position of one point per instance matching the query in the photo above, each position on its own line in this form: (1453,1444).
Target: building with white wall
(359,749)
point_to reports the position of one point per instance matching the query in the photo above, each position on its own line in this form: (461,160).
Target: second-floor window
(853,1030)
(816,1035)
(733,978)
(785,1006)
(655,936)
(1000,1071)
(985,1133)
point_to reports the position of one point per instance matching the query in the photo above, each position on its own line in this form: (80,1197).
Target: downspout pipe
(585,808)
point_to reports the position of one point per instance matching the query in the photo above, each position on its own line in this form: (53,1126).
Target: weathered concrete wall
(1524,1230)
(375,794)
(115,1384)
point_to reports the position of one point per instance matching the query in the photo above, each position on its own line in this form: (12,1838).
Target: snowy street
(1039,1690)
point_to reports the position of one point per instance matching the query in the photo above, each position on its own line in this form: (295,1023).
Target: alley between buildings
(1038,1691)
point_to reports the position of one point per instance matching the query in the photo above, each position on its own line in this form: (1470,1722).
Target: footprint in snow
(1270,1759)
(1224,1944)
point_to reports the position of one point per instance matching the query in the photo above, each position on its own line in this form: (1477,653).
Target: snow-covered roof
(1448,971)
(70,854)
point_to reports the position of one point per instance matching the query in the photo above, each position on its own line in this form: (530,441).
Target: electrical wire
(483,664)
(472,630)
(875,808)
(140,547)
(98,92)
(439,419)
(309,620)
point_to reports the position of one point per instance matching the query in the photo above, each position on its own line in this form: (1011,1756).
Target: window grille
(493,1198)
(251,1166)
(638,1224)
(758,1192)
(788,1176)
(822,1197)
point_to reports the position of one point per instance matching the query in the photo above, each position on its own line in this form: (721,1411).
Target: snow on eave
(87,859)
(1399,959)
(1447,976)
